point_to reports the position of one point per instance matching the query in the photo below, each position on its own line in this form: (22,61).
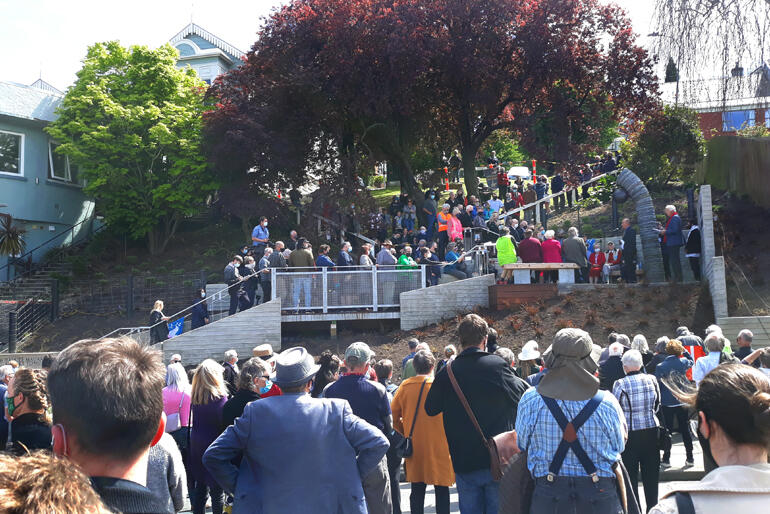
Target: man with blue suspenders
(572,432)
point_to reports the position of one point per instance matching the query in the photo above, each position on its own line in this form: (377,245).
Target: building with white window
(204,52)
(39,188)
(725,104)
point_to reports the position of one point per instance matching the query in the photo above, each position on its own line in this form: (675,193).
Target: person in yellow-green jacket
(506,252)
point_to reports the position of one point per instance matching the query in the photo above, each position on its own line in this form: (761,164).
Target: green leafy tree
(667,146)
(506,147)
(132,123)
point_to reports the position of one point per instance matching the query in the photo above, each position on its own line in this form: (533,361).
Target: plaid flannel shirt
(602,436)
(639,397)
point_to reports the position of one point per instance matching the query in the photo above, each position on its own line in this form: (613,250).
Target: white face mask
(264,224)
(203,295)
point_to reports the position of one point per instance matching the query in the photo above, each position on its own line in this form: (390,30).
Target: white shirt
(495,205)
(704,365)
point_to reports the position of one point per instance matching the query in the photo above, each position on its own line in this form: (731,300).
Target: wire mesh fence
(323,290)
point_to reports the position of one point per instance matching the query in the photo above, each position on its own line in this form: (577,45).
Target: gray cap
(358,353)
(294,367)
(413,342)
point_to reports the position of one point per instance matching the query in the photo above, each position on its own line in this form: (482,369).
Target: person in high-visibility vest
(506,253)
(443,227)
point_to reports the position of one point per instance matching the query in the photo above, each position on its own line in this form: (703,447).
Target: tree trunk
(469,170)
(158,237)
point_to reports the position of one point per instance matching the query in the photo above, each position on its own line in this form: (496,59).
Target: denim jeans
(303,283)
(478,493)
(576,495)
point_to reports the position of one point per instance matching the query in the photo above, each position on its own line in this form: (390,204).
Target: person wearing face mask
(26,402)
(253,382)
(430,209)
(233,280)
(260,236)
(199,314)
(430,260)
(733,406)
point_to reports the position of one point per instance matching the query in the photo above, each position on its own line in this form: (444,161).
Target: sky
(48,39)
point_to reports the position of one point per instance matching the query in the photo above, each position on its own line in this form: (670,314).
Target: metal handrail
(69,229)
(554,195)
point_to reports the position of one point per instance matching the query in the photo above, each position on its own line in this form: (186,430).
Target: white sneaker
(665,465)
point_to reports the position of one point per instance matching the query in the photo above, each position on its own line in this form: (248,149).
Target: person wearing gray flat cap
(573,432)
(301,454)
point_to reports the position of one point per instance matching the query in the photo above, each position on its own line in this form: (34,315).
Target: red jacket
(551,250)
(502,179)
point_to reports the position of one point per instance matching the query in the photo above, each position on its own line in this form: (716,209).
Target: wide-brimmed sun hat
(530,351)
(571,365)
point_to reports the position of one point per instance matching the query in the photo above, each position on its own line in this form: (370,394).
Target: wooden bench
(521,270)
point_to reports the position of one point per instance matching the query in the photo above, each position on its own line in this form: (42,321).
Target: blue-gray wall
(44,207)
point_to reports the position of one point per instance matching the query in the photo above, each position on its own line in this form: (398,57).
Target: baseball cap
(358,353)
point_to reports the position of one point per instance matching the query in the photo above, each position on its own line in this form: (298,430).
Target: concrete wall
(759,325)
(242,332)
(713,267)
(422,307)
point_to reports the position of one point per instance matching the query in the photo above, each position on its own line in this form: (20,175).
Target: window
(58,167)
(11,153)
(736,120)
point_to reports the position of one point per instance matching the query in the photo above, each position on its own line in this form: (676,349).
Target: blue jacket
(672,364)
(674,235)
(301,454)
(344,259)
(323,261)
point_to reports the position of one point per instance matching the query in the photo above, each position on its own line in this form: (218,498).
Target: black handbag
(408,449)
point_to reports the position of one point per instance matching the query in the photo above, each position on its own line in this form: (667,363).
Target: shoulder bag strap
(417,408)
(684,503)
(464,402)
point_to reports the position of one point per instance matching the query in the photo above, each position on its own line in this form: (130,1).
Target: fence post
(12,327)
(273,284)
(203,278)
(537,213)
(325,289)
(54,300)
(374,288)
(422,275)
(130,295)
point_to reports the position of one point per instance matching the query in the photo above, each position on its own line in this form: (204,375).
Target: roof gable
(205,39)
(28,102)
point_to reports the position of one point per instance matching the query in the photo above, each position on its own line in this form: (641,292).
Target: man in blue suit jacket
(301,454)
(673,239)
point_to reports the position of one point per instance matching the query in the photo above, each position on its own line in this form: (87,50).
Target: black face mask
(708,458)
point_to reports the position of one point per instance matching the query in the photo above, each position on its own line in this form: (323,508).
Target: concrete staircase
(242,331)
(36,284)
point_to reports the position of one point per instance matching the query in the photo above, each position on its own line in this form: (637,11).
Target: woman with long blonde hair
(209,395)
(27,404)
(158,330)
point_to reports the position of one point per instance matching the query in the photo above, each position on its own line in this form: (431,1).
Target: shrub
(136,271)
(132,259)
(118,268)
(378,181)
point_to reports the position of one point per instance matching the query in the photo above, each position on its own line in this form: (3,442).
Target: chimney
(737,71)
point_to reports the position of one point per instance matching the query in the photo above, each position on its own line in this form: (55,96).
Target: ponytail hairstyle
(31,383)
(734,396)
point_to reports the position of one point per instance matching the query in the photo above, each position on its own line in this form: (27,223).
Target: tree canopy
(132,123)
(332,86)
(666,146)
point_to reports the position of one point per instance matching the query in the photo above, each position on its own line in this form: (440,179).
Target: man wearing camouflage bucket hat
(317,444)
(573,432)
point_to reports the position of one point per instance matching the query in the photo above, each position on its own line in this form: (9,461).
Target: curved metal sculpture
(651,257)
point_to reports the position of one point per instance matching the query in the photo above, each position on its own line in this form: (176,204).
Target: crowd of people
(106,427)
